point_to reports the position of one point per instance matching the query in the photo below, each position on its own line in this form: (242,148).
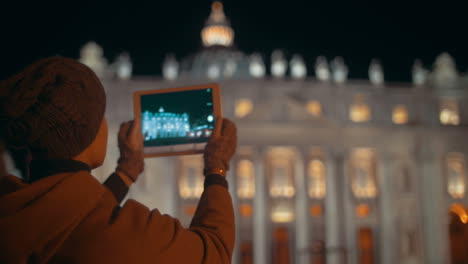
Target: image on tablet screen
(177,118)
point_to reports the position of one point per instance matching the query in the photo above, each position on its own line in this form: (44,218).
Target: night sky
(396,32)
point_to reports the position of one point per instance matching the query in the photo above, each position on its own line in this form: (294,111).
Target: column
(302,230)
(333,229)
(260,218)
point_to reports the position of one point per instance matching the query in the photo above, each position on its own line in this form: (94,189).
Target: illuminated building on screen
(328,169)
(164,125)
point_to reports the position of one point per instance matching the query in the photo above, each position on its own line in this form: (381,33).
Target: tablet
(177,121)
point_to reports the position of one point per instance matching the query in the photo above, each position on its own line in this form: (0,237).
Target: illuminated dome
(217,30)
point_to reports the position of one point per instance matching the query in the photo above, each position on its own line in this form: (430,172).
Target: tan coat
(72,218)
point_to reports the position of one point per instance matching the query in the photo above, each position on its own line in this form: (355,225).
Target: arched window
(456,175)
(363,173)
(191,178)
(359,110)
(243,108)
(400,115)
(449,112)
(281,172)
(245,179)
(314,108)
(316,179)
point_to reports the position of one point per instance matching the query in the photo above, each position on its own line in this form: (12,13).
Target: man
(55,110)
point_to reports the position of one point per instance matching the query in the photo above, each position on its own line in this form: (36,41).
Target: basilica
(328,169)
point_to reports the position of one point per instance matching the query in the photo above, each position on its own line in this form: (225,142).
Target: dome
(217,30)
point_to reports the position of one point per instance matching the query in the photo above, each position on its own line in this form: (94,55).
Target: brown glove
(130,141)
(220,148)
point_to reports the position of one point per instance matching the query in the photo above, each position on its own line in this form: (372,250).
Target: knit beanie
(54,107)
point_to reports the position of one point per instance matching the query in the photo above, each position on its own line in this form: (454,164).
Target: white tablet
(177,121)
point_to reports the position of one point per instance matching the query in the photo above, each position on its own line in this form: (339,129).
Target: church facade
(328,170)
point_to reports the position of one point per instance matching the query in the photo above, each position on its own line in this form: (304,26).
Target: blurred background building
(328,170)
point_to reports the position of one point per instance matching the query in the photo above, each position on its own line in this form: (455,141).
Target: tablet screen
(176,118)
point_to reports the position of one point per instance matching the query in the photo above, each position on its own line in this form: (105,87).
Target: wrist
(217,171)
(125,178)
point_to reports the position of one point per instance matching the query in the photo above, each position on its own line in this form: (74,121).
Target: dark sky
(396,32)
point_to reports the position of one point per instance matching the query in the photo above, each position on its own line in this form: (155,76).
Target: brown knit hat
(54,107)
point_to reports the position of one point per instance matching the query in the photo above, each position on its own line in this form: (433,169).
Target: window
(243,108)
(316,179)
(363,173)
(400,115)
(191,178)
(245,179)
(281,172)
(282,213)
(314,108)
(449,112)
(359,110)
(281,185)
(456,175)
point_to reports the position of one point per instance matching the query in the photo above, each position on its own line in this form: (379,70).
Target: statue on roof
(419,73)
(376,74)
(298,67)
(278,64)
(123,66)
(170,68)
(91,55)
(322,71)
(444,74)
(339,70)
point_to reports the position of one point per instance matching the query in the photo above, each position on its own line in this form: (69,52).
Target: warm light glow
(359,110)
(245,179)
(460,210)
(246,210)
(314,108)
(316,179)
(243,108)
(456,185)
(217,30)
(449,112)
(316,210)
(363,170)
(282,215)
(400,115)
(217,35)
(281,172)
(191,178)
(362,210)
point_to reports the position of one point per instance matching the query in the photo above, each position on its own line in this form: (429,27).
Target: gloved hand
(130,141)
(220,148)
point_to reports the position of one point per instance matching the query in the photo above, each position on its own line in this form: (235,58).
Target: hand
(221,147)
(130,141)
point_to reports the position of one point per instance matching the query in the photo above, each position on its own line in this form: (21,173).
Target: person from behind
(52,114)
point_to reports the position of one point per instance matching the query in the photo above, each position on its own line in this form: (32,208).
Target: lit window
(281,176)
(460,211)
(316,175)
(246,210)
(456,175)
(316,210)
(363,170)
(362,210)
(281,185)
(191,180)
(400,115)
(243,108)
(246,180)
(282,214)
(449,112)
(314,108)
(359,111)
